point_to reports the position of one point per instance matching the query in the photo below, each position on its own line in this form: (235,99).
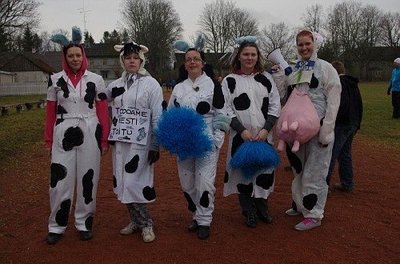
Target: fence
(23,88)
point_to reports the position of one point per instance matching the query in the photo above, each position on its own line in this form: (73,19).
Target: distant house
(104,60)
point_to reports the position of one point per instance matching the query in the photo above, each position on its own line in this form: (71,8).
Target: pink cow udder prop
(298,122)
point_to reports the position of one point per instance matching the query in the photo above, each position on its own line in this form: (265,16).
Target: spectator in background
(348,121)
(394,87)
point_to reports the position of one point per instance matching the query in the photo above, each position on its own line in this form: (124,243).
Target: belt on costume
(74,116)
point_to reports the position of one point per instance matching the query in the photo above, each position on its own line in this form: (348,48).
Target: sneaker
(193,226)
(53,238)
(203,232)
(307,224)
(292,212)
(148,234)
(85,235)
(129,229)
(341,187)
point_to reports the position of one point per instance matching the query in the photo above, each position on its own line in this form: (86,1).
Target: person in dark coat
(348,122)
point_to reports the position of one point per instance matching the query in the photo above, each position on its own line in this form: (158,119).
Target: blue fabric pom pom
(60,39)
(181,45)
(76,35)
(254,156)
(182,131)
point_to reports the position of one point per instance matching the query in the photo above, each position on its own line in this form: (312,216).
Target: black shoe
(251,220)
(203,232)
(265,217)
(85,235)
(52,238)
(193,226)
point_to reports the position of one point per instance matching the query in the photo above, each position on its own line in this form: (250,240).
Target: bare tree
(222,22)
(15,13)
(314,17)
(390,27)
(153,23)
(277,36)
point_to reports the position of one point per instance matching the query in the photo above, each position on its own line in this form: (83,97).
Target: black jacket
(351,107)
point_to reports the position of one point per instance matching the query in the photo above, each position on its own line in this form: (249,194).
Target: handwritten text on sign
(130,125)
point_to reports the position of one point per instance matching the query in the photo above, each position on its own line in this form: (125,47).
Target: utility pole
(84,11)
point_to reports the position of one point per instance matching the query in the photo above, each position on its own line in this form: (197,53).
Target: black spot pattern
(114,181)
(261,78)
(236,142)
(60,110)
(321,122)
(204,200)
(203,107)
(164,105)
(264,107)
(294,205)
(87,184)
(73,137)
(231,84)
(309,201)
(245,189)
(89,222)
(226,177)
(218,98)
(176,104)
(266,180)
(132,165)
(57,173)
(191,205)
(102,96)
(64,86)
(90,94)
(149,193)
(117,91)
(50,82)
(242,102)
(98,135)
(294,161)
(314,82)
(63,213)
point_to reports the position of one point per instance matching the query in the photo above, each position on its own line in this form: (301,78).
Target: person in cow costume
(197,92)
(254,106)
(76,131)
(136,104)
(317,81)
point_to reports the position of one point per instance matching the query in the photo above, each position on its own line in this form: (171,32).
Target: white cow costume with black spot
(197,175)
(310,164)
(76,148)
(133,175)
(252,98)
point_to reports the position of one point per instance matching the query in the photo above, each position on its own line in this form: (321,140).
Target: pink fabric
(298,122)
(49,122)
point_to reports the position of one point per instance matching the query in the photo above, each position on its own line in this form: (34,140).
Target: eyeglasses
(195,59)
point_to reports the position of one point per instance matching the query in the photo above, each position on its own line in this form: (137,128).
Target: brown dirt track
(360,227)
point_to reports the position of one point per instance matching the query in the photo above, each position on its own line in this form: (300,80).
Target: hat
(397,61)
(132,47)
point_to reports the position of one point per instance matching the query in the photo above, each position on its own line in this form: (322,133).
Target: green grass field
(24,131)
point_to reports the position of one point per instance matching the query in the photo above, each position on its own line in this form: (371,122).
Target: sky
(105,15)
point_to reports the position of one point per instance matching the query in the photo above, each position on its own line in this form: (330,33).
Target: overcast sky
(104,15)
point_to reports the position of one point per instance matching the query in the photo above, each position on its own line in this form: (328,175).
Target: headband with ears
(131,47)
(63,40)
(199,43)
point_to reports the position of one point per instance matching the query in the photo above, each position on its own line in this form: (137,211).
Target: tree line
(346,26)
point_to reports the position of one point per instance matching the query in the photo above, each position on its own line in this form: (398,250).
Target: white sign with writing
(130,124)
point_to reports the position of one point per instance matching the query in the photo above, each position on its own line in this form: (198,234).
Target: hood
(83,68)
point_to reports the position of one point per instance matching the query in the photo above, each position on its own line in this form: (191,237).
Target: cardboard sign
(130,124)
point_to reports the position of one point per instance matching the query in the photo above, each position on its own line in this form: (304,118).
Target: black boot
(53,238)
(262,210)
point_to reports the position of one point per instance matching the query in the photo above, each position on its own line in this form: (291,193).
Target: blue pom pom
(248,39)
(76,35)
(254,156)
(182,131)
(60,39)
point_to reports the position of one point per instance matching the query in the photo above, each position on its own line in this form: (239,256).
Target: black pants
(396,104)
(251,205)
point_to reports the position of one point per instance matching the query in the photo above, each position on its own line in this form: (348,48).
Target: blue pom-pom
(76,35)
(248,39)
(254,156)
(60,39)
(182,131)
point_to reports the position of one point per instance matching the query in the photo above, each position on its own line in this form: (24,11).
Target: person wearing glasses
(197,91)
